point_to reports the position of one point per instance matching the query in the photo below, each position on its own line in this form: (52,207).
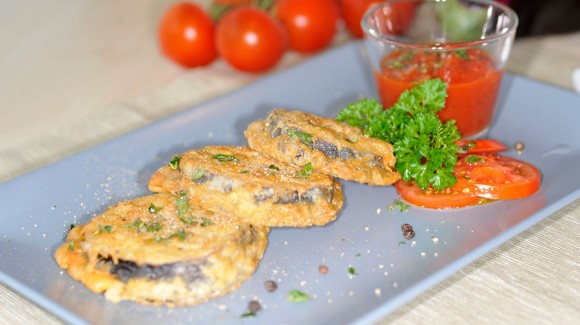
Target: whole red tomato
(311,24)
(353,11)
(249,39)
(186,35)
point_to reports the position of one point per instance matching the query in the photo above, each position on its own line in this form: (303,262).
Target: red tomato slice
(450,198)
(497,177)
(480,146)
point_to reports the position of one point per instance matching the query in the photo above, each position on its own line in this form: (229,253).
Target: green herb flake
(297,296)
(352,271)
(424,146)
(248,314)
(466,147)
(154,226)
(198,173)
(174,162)
(183,209)
(462,54)
(274,167)
(206,222)
(472,159)
(105,229)
(244,171)
(224,158)
(398,205)
(305,138)
(137,225)
(153,209)
(71,245)
(306,171)
(402,243)
(180,234)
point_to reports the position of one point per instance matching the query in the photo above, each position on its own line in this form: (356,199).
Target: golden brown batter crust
(331,147)
(162,249)
(242,182)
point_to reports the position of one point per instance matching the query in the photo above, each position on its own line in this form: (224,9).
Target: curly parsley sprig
(424,146)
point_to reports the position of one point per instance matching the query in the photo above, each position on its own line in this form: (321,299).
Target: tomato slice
(480,146)
(497,177)
(456,197)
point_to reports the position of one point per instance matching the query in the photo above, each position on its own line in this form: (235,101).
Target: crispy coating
(256,189)
(331,147)
(162,249)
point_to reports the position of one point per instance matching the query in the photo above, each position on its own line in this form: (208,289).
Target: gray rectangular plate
(38,208)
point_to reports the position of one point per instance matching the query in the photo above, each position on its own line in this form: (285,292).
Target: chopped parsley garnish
(105,229)
(274,167)
(153,209)
(183,209)
(399,205)
(303,137)
(206,222)
(154,226)
(244,171)
(352,271)
(198,173)
(248,314)
(424,146)
(297,296)
(174,162)
(472,159)
(462,54)
(140,225)
(224,158)
(464,148)
(402,242)
(180,234)
(71,245)
(306,171)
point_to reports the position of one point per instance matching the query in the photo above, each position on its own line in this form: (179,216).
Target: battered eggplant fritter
(257,189)
(162,249)
(331,147)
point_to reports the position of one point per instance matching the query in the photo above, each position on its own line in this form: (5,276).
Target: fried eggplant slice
(162,249)
(331,147)
(256,189)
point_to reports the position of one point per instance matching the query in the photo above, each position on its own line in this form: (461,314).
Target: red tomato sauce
(472,83)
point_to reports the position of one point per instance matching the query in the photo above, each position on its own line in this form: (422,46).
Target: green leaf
(297,296)
(306,171)
(174,163)
(224,158)
(424,147)
(303,137)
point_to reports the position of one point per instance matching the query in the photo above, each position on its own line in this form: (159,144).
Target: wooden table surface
(77,73)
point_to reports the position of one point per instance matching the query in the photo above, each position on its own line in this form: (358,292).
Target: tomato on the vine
(249,39)
(353,11)
(186,35)
(311,25)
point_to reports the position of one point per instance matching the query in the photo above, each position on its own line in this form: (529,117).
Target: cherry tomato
(480,146)
(497,177)
(186,35)
(311,24)
(353,11)
(450,198)
(249,39)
